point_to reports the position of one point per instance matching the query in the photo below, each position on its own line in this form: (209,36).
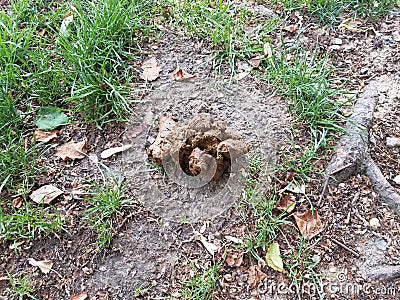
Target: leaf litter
(44,265)
(150,69)
(72,150)
(45,194)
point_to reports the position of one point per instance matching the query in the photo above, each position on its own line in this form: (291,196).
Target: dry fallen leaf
(110,152)
(309,223)
(210,247)
(15,245)
(241,75)
(79,296)
(291,28)
(273,257)
(234,258)
(255,276)
(151,69)
(72,150)
(17,202)
(267,50)
(44,265)
(79,191)
(234,239)
(255,61)
(180,75)
(287,203)
(46,136)
(42,32)
(296,188)
(45,194)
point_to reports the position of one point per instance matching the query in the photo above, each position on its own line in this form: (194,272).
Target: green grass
(302,269)
(105,203)
(329,11)
(222,23)
(260,201)
(99,47)
(28,222)
(86,72)
(21,287)
(202,286)
(305,80)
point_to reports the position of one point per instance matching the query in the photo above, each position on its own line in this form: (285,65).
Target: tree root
(353,157)
(387,273)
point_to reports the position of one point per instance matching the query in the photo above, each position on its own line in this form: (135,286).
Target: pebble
(392,142)
(381,244)
(334,47)
(337,41)
(102,269)
(374,222)
(397,179)
(261,9)
(364,71)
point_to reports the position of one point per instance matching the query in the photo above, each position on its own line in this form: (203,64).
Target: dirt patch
(260,121)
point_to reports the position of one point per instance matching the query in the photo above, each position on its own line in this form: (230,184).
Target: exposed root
(352,152)
(352,157)
(387,273)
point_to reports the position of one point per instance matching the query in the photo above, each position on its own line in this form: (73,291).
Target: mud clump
(202,147)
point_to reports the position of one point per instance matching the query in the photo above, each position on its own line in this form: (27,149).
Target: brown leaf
(234,258)
(255,61)
(79,296)
(72,150)
(181,75)
(287,203)
(42,32)
(151,69)
(291,28)
(255,276)
(17,202)
(15,245)
(309,223)
(79,191)
(44,265)
(45,194)
(46,136)
(241,75)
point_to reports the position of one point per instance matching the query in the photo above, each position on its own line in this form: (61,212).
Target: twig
(321,196)
(345,247)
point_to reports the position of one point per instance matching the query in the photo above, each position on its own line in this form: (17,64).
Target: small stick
(327,181)
(323,192)
(345,247)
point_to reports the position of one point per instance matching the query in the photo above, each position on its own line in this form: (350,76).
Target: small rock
(102,269)
(397,179)
(392,142)
(364,71)
(337,41)
(262,10)
(316,258)
(334,47)
(374,222)
(396,36)
(381,244)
